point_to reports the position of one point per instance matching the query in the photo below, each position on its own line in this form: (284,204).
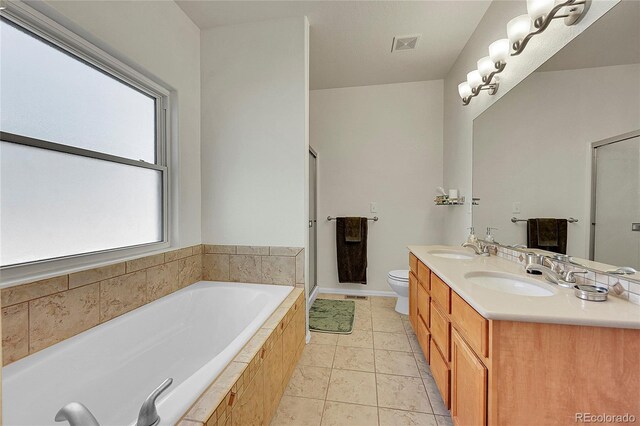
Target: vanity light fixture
(539,15)
(542,12)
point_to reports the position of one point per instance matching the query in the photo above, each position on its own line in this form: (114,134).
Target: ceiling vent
(404,43)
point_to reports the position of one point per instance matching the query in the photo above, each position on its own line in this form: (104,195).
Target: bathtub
(190,335)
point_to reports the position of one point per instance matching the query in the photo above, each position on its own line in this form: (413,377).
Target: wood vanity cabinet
(520,373)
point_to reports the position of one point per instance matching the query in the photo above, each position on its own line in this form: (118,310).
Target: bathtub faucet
(77,415)
(148,414)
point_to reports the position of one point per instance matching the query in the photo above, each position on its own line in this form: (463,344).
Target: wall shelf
(444,200)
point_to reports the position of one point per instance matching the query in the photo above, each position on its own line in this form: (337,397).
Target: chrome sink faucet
(78,415)
(564,279)
(479,248)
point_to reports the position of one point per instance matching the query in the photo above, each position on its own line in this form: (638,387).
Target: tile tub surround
(370,377)
(254,264)
(249,389)
(40,314)
(593,277)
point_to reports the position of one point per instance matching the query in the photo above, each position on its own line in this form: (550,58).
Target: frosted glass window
(55,204)
(49,94)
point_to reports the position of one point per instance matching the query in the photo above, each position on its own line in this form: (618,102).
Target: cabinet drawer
(440,372)
(424,274)
(424,338)
(423,305)
(440,330)
(441,293)
(471,325)
(413,263)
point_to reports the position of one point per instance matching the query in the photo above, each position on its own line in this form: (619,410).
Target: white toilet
(399,282)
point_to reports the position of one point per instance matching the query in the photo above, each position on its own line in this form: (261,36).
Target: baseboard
(312,298)
(330,290)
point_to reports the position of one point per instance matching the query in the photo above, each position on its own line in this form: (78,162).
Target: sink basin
(451,254)
(510,283)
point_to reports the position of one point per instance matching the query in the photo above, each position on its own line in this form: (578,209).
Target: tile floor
(376,376)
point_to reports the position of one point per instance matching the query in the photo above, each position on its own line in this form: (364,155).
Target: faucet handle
(569,276)
(148,415)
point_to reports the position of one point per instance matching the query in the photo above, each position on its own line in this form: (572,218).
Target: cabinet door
(413,301)
(249,410)
(468,385)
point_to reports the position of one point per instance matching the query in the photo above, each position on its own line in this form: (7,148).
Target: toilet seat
(399,275)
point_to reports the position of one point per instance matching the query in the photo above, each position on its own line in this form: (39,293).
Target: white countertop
(561,308)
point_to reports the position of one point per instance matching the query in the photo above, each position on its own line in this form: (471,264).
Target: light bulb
(486,66)
(464,89)
(518,28)
(499,50)
(539,8)
(474,79)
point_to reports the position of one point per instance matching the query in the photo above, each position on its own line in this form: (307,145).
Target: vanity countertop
(561,308)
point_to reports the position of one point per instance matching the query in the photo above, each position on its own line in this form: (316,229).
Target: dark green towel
(351,256)
(352,232)
(559,246)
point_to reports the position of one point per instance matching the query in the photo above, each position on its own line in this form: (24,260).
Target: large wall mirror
(565,144)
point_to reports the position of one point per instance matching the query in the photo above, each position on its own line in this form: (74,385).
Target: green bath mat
(332,316)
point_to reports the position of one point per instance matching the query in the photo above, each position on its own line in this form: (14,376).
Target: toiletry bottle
(489,237)
(472,239)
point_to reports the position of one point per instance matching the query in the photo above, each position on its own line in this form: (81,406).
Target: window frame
(21,15)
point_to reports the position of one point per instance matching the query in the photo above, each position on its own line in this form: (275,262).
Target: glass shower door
(617,203)
(313,221)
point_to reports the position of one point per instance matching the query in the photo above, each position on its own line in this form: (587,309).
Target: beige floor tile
(348,358)
(404,393)
(352,387)
(423,367)
(383,312)
(444,421)
(398,363)
(362,322)
(294,411)
(389,417)
(388,325)
(408,328)
(391,341)
(357,339)
(340,414)
(324,338)
(331,296)
(413,342)
(388,302)
(317,355)
(434,397)
(309,382)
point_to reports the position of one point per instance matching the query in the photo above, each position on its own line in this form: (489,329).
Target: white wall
(254,147)
(378,144)
(458,119)
(159,40)
(549,151)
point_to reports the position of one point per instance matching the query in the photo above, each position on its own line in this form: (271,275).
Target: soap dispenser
(489,237)
(472,239)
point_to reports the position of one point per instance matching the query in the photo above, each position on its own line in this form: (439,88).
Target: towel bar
(515,219)
(375,218)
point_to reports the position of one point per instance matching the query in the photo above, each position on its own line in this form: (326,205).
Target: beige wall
(458,119)
(254,147)
(378,144)
(540,154)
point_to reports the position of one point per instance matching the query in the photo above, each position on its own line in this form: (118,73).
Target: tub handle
(148,414)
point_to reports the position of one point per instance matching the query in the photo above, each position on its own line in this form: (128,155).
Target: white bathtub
(190,335)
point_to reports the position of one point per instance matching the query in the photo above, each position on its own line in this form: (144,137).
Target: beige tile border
(216,403)
(254,264)
(39,314)
(124,286)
